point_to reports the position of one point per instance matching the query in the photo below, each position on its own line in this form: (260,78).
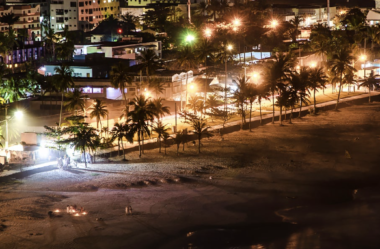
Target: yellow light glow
(57,211)
(192,87)
(255,75)
(237,22)
(298,67)
(313,64)
(234,29)
(363,57)
(229,47)
(84,213)
(76,215)
(274,23)
(190,38)
(208,32)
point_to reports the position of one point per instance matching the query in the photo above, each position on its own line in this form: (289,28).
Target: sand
(310,184)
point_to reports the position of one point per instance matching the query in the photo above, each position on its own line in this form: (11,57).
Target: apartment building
(29,20)
(63,13)
(89,14)
(109,8)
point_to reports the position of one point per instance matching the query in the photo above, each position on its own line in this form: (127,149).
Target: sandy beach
(310,184)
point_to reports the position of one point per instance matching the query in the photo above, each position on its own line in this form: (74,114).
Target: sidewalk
(18,169)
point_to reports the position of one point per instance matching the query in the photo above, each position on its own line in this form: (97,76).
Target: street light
(274,23)
(190,38)
(18,115)
(236,22)
(313,65)
(208,32)
(229,47)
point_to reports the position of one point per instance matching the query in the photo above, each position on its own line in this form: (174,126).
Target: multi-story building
(29,20)
(89,13)
(109,8)
(63,13)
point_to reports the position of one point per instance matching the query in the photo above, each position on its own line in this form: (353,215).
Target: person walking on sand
(68,209)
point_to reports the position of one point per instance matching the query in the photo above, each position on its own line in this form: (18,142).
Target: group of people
(128,210)
(74,209)
(64,163)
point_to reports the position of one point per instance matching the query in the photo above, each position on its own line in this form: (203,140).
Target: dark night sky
(361,3)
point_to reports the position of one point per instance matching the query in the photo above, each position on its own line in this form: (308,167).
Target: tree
(296,21)
(120,76)
(121,131)
(50,38)
(159,109)
(75,100)
(277,73)
(161,131)
(82,138)
(300,82)
(240,96)
(186,58)
(63,81)
(143,111)
(212,102)
(10,19)
(99,110)
(180,138)
(251,93)
(341,63)
(317,81)
(193,103)
(200,129)
(156,85)
(149,62)
(262,94)
(371,82)
(13,89)
(282,101)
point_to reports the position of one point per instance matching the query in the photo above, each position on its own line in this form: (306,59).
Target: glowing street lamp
(236,22)
(274,23)
(363,57)
(190,38)
(208,32)
(313,65)
(19,114)
(229,47)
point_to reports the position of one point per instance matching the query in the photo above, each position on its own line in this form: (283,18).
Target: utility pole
(189,10)
(328,13)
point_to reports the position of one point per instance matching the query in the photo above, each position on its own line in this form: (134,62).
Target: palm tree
(118,133)
(205,50)
(240,96)
(341,63)
(165,138)
(282,101)
(121,131)
(277,73)
(370,82)
(262,94)
(99,110)
(63,81)
(10,19)
(50,38)
(149,61)
(75,100)
(82,138)
(156,85)
(300,82)
(317,81)
(193,103)
(296,21)
(120,76)
(161,131)
(180,138)
(13,89)
(251,93)
(159,109)
(143,111)
(200,129)
(186,58)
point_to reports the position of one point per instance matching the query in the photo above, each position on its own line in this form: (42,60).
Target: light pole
(228,47)
(18,115)
(208,33)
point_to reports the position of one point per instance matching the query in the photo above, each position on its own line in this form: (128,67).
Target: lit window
(97,90)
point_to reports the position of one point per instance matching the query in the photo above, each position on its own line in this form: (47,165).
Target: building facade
(29,20)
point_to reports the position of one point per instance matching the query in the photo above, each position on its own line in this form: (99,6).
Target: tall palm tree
(277,73)
(98,111)
(317,81)
(143,111)
(262,94)
(63,80)
(186,58)
(205,50)
(341,63)
(200,130)
(251,93)
(120,76)
(159,109)
(370,82)
(149,62)
(50,38)
(161,131)
(121,131)
(282,101)
(296,21)
(82,138)
(179,138)
(156,85)
(193,103)
(300,82)
(10,19)
(75,101)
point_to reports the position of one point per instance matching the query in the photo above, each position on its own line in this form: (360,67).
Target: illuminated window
(97,90)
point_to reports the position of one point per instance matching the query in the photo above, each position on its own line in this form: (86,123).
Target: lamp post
(18,115)
(228,47)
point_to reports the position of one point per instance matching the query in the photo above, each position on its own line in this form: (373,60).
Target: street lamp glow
(236,22)
(229,47)
(19,114)
(363,57)
(255,75)
(274,23)
(190,38)
(313,64)
(208,32)
(234,29)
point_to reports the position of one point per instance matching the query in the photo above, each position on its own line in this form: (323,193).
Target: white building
(63,13)
(373,17)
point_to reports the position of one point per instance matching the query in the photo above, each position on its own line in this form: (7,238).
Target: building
(312,14)
(29,20)
(29,51)
(89,14)
(373,17)
(62,14)
(117,50)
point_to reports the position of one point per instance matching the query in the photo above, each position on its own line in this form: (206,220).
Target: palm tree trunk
(315,102)
(299,114)
(177,149)
(291,115)
(280,117)
(85,158)
(142,142)
(261,116)
(118,146)
(139,140)
(60,115)
(369,92)
(273,106)
(199,144)
(159,141)
(340,87)
(250,116)
(285,113)
(122,146)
